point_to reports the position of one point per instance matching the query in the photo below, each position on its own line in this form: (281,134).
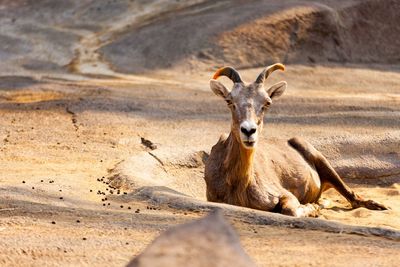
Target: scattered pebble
(121,206)
(127,243)
(23,182)
(60,190)
(84,238)
(104,204)
(53,222)
(91,190)
(33,187)
(129,208)
(41,181)
(78,221)
(61,198)
(185,213)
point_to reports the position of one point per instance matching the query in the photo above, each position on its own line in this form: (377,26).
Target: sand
(74,123)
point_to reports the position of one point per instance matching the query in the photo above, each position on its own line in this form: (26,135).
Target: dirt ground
(101,96)
(60,137)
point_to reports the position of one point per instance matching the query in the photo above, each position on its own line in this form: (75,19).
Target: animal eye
(266,106)
(230,104)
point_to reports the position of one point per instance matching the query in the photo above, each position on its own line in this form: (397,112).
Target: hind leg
(330,178)
(290,205)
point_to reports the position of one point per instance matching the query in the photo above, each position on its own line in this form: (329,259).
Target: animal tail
(304,148)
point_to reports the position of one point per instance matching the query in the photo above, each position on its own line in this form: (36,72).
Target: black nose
(246,132)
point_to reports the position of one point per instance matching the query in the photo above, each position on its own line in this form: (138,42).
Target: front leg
(290,205)
(261,199)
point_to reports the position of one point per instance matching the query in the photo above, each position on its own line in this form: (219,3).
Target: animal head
(248,102)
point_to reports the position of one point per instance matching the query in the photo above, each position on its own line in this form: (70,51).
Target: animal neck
(238,164)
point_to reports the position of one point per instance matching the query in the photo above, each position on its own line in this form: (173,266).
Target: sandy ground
(58,137)
(119,89)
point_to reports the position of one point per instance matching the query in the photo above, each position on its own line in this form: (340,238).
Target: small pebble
(78,221)
(91,190)
(60,190)
(53,222)
(23,182)
(127,243)
(61,198)
(108,204)
(129,208)
(33,187)
(121,206)
(84,238)
(41,181)
(104,204)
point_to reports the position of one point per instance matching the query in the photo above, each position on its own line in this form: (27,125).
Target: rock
(210,241)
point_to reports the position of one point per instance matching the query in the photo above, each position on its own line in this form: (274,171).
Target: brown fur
(272,176)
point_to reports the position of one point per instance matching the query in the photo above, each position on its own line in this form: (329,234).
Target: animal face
(248,103)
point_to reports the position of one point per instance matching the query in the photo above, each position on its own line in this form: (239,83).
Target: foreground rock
(210,241)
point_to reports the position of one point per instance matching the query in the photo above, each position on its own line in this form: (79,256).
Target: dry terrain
(106,120)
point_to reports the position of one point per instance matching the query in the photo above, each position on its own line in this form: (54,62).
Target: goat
(286,177)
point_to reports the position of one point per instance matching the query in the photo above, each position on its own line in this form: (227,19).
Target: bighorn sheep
(287,177)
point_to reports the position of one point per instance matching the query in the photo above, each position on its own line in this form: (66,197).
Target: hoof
(314,210)
(369,204)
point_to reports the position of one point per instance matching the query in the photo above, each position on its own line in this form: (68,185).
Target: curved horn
(265,73)
(229,72)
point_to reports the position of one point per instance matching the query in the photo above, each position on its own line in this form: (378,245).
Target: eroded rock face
(113,37)
(210,241)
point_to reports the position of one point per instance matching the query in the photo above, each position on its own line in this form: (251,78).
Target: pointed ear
(277,90)
(218,88)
